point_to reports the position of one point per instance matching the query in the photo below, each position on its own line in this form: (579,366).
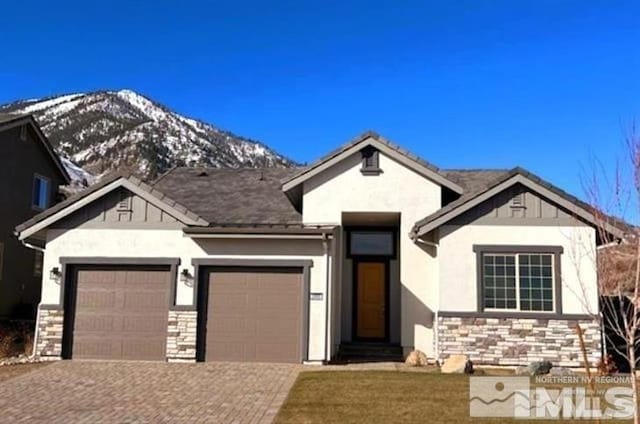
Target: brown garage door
(255,315)
(121,313)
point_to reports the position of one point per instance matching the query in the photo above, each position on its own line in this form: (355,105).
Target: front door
(371,300)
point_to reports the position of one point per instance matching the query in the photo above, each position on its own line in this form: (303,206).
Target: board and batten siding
(517,205)
(397,189)
(122,208)
(171,243)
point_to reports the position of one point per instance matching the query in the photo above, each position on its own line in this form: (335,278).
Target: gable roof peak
(11,120)
(392,150)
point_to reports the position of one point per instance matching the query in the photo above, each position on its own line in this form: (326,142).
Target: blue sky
(481,83)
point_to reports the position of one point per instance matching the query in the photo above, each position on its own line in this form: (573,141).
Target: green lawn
(381,397)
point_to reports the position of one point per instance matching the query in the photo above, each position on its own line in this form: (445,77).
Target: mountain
(123,130)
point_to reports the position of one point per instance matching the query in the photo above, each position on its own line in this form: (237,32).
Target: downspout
(31,246)
(436,338)
(325,246)
(37,329)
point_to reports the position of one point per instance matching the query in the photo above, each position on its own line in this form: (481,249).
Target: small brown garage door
(121,313)
(255,315)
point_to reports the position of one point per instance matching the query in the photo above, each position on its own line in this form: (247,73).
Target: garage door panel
(254,315)
(146,300)
(272,352)
(121,313)
(94,322)
(97,299)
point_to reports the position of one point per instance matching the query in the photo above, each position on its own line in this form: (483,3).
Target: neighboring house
(371,246)
(30,173)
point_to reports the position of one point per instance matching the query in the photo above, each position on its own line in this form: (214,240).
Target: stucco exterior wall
(343,188)
(458,271)
(171,243)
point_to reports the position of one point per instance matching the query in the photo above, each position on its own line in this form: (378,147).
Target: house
(31,173)
(370,246)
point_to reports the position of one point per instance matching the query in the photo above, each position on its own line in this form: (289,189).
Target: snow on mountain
(123,130)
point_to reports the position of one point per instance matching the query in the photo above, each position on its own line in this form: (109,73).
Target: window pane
(499,278)
(536,282)
(44,193)
(40,192)
(371,243)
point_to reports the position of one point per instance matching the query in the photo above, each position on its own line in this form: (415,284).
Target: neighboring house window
(370,161)
(1,260)
(371,243)
(37,264)
(521,280)
(41,190)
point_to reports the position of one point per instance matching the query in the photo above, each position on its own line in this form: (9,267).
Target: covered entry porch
(369,284)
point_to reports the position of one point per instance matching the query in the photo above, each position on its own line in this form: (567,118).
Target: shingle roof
(474,181)
(105,181)
(233,197)
(477,182)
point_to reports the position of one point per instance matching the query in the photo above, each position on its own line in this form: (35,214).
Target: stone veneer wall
(181,336)
(49,336)
(518,341)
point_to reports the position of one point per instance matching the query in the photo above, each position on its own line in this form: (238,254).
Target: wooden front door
(371,300)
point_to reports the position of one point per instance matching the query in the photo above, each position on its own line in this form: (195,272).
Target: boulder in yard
(540,367)
(455,364)
(417,358)
(560,371)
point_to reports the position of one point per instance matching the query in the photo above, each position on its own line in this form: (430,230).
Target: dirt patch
(16,338)
(8,372)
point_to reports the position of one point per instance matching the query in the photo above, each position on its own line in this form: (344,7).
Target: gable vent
(518,200)
(125,201)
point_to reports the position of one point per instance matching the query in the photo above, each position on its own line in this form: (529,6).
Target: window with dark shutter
(41,192)
(37,264)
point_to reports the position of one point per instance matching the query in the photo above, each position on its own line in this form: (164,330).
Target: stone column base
(181,336)
(49,334)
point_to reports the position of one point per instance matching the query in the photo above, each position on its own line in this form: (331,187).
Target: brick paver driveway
(146,392)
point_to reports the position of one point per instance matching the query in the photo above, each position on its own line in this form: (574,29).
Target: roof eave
(30,120)
(43,220)
(518,175)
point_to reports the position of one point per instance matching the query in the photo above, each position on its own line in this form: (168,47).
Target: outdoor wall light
(186,277)
(55,273)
